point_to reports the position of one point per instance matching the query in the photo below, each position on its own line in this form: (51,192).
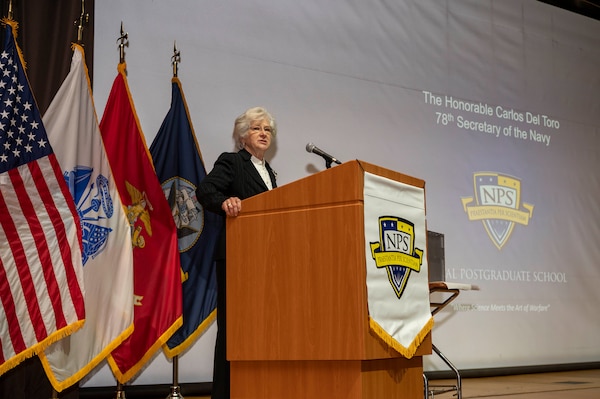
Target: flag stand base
(175,393)
(120,393)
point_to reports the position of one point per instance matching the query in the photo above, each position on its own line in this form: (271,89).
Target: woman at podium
(234,177)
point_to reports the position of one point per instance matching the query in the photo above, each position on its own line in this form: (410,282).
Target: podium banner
(396,261)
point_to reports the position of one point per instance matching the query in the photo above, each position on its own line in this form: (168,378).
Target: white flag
(73,131)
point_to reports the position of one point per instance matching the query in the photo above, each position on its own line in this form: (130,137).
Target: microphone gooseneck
(310,147)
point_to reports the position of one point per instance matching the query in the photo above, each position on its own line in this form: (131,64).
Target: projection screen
(495,104)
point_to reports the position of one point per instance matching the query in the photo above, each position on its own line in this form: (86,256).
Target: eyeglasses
(257,129)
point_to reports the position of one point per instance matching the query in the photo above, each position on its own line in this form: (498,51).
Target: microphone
(310,147)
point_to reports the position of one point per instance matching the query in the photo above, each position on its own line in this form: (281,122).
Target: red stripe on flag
(42,245)
(65,191)
(43,253)
(14,328)
(74,288)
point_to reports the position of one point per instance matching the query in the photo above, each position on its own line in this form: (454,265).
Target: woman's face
(258,139)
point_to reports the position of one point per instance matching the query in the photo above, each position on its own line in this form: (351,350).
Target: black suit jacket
(233,175)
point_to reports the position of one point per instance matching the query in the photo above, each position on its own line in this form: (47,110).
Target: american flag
(41,272)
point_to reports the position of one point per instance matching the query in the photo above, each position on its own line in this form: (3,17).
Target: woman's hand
(232,206)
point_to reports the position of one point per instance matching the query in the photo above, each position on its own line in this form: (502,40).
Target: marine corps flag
(156,270)
(180,168)
(73,130)
(41,276)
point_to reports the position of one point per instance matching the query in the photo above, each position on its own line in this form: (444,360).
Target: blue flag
(179,167)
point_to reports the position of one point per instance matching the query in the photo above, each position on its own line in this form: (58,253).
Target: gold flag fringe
(61,386)
(394,344)
(41,346)
(182,347)
(150,353)
(15,27)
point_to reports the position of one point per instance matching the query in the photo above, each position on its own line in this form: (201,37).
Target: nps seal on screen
(497,203)
(395,251)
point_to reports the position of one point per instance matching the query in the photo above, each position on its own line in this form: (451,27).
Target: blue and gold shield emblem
(497,204)
(396,251)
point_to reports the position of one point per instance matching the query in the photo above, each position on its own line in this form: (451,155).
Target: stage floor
(582,384)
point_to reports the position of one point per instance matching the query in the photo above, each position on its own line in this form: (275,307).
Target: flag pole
(175,59)
(119,393)
(175,389)
(124,42)
(9,14)
(82,22)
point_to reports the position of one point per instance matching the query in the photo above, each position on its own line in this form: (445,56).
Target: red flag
(156,267)
(41,275)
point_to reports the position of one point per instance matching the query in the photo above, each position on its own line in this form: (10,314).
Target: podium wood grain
(297,303)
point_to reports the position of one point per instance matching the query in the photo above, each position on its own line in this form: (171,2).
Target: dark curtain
(46,31)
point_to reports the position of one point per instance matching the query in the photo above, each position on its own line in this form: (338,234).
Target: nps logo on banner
(396,251)
(498,205)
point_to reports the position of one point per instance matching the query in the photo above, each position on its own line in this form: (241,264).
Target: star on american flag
(22,135)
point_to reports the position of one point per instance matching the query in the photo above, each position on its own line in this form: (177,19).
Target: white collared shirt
(262,171)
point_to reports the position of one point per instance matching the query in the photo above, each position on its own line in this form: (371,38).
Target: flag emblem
(395,251)
(138,210)
(93,203)
(186,210)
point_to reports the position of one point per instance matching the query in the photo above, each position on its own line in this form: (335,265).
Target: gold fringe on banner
(392,343)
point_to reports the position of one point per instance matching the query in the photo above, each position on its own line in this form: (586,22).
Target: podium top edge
(388,173)
(341,184)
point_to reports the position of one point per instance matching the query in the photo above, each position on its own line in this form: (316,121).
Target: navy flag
(180,168)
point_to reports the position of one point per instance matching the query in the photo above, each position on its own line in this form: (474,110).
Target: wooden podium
(297,312)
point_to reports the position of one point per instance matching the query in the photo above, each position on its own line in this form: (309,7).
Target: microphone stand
(310,147)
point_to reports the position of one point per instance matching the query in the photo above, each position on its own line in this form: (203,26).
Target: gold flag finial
(9,14)
(124,42)
(175,59)
(82,22)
